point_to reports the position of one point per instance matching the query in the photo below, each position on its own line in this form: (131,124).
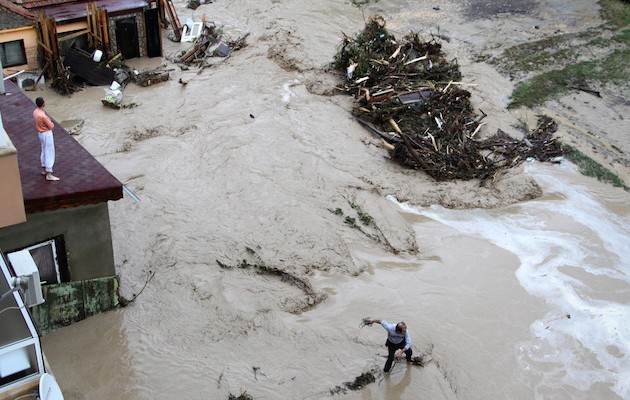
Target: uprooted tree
(410,95)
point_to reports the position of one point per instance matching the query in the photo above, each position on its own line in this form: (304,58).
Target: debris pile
(123,76)
(409,94)
(150,77)
(359,382)
(209,44)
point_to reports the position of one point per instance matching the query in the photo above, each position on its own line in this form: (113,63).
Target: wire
(12,308)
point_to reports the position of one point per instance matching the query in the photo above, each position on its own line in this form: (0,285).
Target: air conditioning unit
(27,276)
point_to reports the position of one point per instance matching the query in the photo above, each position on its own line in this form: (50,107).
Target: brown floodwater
(250,152)
(473,301)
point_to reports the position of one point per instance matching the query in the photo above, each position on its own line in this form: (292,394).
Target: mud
(253,153)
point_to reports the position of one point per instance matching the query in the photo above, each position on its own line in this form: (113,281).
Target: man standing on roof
(398,341)
(44,128)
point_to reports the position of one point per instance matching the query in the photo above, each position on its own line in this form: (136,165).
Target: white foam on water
(287,93)
(583,340)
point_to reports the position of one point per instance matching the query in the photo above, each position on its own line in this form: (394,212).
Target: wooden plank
(94,19)
(89,24)
(105,29)
(44,47)
(53,38)
(72,36)
(45,31)
(177,26)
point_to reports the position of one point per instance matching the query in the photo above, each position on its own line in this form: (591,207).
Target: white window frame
(20,42)
(52,244)
(33,340)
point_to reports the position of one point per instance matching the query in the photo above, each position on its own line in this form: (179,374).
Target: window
(21,358)
(49,256)
(12,53)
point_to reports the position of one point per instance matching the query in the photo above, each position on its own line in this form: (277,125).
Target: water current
(528,301)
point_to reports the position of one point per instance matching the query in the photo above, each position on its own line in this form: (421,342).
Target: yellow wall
(11,200)
(75,26)
(29,35)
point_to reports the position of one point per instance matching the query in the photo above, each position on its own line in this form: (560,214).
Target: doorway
(154,38)
(127,37)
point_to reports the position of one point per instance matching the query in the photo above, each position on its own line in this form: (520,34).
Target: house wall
(87,235)
(11,202)
(29,35)
(140,26)
(71,27)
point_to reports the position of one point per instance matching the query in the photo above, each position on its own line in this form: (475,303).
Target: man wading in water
(398,341)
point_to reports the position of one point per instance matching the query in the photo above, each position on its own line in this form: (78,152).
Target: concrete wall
(11,202)
(86,231)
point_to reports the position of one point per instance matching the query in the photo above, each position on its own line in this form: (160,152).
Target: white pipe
(16,74)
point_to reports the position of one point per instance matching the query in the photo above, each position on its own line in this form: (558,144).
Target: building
(131,28)
(64,225)
(18,38)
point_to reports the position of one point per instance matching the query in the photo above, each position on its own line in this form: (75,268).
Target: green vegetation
(364,217)
(592,168)
(573,60)
(336,211)
(360,3)
(623,37)
(617,12)
(535,91)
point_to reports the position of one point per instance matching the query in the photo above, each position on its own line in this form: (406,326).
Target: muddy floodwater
(515,289)
(525,301)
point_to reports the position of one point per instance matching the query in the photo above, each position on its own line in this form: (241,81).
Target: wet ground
(252,154)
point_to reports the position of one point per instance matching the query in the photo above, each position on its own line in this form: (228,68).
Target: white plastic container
(97,56)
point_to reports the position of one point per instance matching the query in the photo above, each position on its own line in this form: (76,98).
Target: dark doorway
(127,37)
(154,38)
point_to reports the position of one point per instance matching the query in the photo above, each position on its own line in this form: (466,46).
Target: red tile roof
(29,4)
(15,9)
(83,179)
(66,10)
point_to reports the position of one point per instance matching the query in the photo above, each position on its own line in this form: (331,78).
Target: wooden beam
(72,36)
(44,47)
(105,29)
(89,23)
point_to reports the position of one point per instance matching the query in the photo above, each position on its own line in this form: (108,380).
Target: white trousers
(48,150)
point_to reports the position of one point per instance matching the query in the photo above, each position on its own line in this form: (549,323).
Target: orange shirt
(42,122)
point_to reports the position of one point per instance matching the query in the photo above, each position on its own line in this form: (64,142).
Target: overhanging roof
(83,181)
(62,10)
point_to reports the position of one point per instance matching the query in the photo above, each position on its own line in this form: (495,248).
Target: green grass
(592,168)
(617,12)
(535,91)
(544,54)
(623,37)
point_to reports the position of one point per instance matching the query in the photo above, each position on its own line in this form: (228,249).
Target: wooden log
(89,24)
(116,57)
(73,35)
(410,149)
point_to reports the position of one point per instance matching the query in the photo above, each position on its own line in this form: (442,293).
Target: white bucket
(97,56)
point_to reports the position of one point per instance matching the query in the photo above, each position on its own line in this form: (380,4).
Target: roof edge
(16,9)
